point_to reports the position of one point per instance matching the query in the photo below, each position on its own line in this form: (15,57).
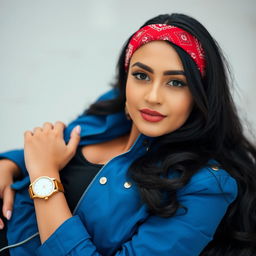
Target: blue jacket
(110,218)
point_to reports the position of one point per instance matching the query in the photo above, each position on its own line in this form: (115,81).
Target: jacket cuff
(17,156)
(66,237)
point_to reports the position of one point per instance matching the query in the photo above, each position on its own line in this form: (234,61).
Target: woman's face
(157,96)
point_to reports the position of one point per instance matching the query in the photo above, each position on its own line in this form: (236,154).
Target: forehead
(157,54)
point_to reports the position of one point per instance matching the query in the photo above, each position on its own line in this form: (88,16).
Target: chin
(152,133)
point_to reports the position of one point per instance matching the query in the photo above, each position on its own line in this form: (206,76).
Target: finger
(28,134)
(37,129)
(1,224)
(47,126)
(74,138)
(59,127)
(8,198)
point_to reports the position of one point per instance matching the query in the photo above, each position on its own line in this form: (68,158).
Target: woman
(158,165)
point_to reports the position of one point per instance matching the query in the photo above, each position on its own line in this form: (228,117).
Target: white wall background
(57,56)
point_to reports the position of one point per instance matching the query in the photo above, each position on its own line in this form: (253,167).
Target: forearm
(10,166)
(51,213)
(46,153)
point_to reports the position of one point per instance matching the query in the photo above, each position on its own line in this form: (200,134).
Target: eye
(140,76)
(177,83)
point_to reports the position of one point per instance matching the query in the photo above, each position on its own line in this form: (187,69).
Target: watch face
(43,187)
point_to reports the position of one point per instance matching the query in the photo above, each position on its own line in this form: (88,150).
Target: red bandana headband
(176,35)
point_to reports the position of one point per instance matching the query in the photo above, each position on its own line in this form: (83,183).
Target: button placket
(146,144)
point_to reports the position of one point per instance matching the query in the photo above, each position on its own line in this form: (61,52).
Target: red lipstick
(151,115)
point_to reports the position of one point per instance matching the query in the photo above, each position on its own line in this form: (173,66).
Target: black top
(76,176)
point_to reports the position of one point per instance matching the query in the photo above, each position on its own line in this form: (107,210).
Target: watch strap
(58,185)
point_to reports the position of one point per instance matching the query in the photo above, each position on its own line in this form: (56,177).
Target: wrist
(52,173)
(44,187)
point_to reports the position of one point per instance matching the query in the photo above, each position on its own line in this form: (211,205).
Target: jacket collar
(95,129)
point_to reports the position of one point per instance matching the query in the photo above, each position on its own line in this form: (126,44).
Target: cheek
(128,90)
(128,94)
(181,106)
(131,94)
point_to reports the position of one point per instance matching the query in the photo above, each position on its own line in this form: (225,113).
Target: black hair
(212,131)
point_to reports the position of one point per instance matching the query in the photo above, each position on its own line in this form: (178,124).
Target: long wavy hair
(212,131)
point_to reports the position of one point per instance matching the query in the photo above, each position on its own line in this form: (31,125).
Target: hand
(8,170)
(45,150)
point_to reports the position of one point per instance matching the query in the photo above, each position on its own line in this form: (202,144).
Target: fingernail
(78,129)
(1,224)
(8,214)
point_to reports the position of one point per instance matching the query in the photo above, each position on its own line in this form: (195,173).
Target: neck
(131,138)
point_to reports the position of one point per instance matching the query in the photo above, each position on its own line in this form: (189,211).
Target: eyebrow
(167,72)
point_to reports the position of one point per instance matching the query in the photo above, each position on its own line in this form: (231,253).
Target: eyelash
(137,74)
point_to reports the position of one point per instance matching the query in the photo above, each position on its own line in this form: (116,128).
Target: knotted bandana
(177,36)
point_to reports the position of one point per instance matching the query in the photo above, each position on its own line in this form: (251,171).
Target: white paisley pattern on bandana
(177,36)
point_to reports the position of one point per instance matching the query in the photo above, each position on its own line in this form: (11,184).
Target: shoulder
(212,180)
(109,95)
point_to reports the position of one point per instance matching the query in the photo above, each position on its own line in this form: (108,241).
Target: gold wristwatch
(44,187)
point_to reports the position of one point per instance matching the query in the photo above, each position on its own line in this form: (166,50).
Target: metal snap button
(215,168)
(103,180)
(127,184)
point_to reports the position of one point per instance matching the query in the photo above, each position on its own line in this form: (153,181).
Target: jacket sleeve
(185,234)
(17,156)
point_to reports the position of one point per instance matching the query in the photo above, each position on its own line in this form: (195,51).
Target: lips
(151,115)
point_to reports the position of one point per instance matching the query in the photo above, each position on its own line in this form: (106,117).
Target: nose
(153,94)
